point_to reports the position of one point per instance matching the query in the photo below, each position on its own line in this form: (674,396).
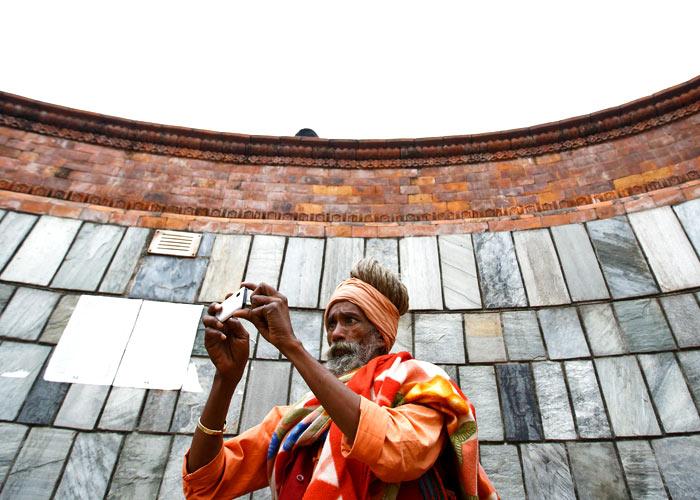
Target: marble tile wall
(578,345)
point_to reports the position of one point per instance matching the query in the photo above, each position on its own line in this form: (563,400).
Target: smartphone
(235,302)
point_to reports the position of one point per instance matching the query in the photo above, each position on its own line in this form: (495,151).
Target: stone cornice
(628,119)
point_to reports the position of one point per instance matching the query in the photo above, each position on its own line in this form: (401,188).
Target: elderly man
(375,425)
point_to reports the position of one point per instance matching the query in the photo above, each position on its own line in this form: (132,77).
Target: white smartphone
(235,302)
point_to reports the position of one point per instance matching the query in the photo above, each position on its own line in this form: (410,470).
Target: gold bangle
(207,430)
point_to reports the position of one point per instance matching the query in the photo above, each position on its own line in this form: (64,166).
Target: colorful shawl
(390,380)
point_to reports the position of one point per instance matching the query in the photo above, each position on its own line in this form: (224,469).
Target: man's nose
(337,334)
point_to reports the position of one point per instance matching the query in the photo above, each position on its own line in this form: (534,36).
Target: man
(375,425)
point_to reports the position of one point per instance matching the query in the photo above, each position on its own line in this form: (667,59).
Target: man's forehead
(345,307)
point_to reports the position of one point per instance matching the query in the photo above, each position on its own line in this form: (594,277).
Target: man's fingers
(214,308)
(262,300)
(212,336)
(212,322)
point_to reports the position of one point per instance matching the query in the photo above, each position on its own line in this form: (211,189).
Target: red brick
(333,230)
(557,219)
(607,209)
(310,229)
(636,203)
(691,190)
(72,210)
(390,231)
(365,231)
(515,224)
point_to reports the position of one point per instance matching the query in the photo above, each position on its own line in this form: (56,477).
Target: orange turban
(380,311)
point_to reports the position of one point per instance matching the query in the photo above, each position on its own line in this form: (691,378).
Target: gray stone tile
(206,244)
(451,371)
(479,384)
(690,361)
(27,313)
(171,486)
(670,254)
(13,228)
(90,465)
(265,261)
(198,348)
(261,494)
(190,404)
(265,350)
(673,402)
(298,388)
(683,314)
(522,335)
(307,328)
(158,410)
(460,282)
(270,383)
(385,250)
(502,465)
(623,263)
(539,265)
(641,471)
(603,332)
(82,406)
(125,259)
(562,333)
(19,366)
(500,280)
(38,465)
(586,399)
(419,272)
(439,338)
(168,279)
(89,257)
(484,337)
(596,471)
(578,260)
(122,409)
(140,467)
(404,336)
(226,266)
(42,251)
(679,461)
(11,437)
(301,272)
(689,215)
(626,396)
(43,402)
(59,319)
(341,255)
(546,471)
(2,213)
(520,412)
(557,421)
(6,292)
(644,326)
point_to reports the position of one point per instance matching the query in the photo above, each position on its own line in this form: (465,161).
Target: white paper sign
(158,352)
(93,341)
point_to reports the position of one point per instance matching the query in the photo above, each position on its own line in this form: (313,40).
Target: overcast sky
(360,69)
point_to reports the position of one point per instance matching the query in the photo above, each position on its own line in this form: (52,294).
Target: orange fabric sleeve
(398,444)
(240,466)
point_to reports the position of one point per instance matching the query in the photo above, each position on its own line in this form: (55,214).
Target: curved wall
(575,331)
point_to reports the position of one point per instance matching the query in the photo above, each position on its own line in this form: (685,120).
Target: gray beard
(346,356)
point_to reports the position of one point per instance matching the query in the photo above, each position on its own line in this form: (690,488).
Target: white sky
(360,69)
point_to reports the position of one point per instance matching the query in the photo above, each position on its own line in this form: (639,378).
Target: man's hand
(226,343)
(269,313)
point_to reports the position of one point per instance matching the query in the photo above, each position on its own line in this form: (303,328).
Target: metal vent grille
(176,243)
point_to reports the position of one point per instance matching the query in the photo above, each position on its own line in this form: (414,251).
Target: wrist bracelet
(208,431)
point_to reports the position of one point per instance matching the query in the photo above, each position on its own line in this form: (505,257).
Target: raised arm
(227,346)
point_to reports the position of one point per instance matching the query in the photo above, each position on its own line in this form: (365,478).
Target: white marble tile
(89,256)
(301,272)
(125,259)
(499,274)
(59,319)
(502,465)
(404,337)
(171,486)
(690,361)
(683,314)
(93,341)
(19,366)
(603,332)
(41,253)
(140,467)
(562,333)
(669,392)
(522,335)
(689,215)
(479,384)
(121,412)
(557,421)
(578,260)
(166,330)
(11,437)
(270,380)
(27,313)
(385,250)
(439,338)
(665,244)
(226,265)
(596,471)
(82,406)
(484,337)
(265,260)
(626,396)
(679,461)
(546,471)
(13,228)
(586,400)
(460,282)
(420,272)
(340,255)
(539,265)
(641,470)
